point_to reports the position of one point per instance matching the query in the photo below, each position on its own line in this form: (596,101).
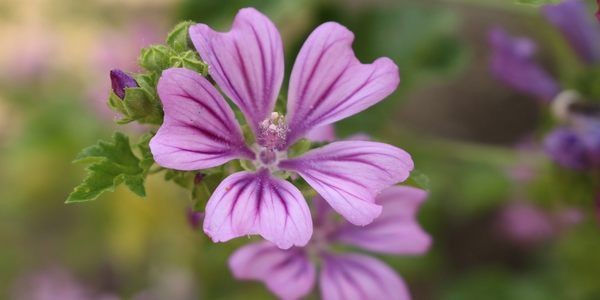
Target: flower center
(271,138)
(272,132)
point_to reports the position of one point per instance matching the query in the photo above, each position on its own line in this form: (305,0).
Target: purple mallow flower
(576,146)
(512,62)
(575,22)
(566,148)
(527,225)
(598,10)
(120,81)
(327,84)
(292,273)
(512,59)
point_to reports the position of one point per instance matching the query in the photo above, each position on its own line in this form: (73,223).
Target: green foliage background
(123,244)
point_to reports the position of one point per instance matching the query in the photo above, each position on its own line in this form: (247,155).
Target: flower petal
(354,276)
(512,62)
(396,230)
(289,274)
(257,203)
(199,130)
(328,83)
(321,134)
(576,24)
(350,174)
(246,62)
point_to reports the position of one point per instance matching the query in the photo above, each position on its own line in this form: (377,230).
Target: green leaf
(112,163)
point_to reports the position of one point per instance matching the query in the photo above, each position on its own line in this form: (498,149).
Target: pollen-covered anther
(273,132)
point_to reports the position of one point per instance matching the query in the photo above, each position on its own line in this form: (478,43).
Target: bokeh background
(505,223)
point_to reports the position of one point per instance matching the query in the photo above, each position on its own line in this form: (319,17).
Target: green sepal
(189,60)
(141,106)
(115,103)
(181,178)
(281,104)
(246,165)
(203,190)
(178,39)
(299,148)
(147,160)
(248,134)
(155,58)
(112,163)
(418,179)
(148,82)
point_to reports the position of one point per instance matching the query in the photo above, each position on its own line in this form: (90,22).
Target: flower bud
(198,178)
(120,81)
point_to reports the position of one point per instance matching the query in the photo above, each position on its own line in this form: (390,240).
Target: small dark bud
(195,218)
(120,81)
(198,178)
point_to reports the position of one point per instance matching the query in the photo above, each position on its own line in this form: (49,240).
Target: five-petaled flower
(291,274)
(327,83)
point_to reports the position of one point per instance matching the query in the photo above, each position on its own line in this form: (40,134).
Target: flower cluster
(258,162)
(575,143)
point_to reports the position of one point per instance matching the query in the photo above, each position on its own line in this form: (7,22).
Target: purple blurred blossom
(566,148)
(524,169)
(598,10)
(290,274)
(528,225)
(590,135)
(29,57)
(120,81)
(568,217)
(525,224)
(575,22)
(575,147)
(512,62)
(50,284)
(327,84)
